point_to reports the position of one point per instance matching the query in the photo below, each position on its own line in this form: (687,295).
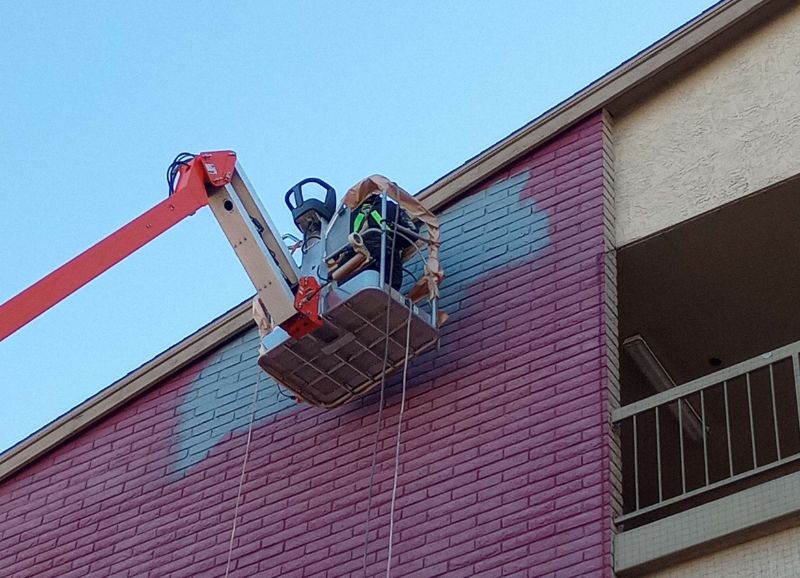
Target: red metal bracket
(218,166)
(306,301)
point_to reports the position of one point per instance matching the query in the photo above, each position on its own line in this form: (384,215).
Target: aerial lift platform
(331,327)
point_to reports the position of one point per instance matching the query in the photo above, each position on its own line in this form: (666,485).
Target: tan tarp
(263,321)
(428,284)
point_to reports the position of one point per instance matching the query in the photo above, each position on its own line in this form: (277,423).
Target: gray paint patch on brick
(218,402)
(492,228)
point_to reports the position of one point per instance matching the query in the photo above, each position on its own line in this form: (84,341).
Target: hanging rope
(378,427)
(397,444)
(244,469)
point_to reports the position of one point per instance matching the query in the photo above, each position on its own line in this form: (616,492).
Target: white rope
(381,402)
(377,439)
(244,469)
(397,444)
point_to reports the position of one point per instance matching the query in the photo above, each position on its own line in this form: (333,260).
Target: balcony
(709,325)
(697,441)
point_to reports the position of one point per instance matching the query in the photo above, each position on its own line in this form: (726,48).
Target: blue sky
(96,98)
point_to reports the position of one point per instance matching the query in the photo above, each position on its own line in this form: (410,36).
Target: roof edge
(619,81)
(132,385)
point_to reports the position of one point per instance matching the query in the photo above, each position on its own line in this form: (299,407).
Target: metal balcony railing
(712,432)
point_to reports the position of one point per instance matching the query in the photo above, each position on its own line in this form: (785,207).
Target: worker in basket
(367,221)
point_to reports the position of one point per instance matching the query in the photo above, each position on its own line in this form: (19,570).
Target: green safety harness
(358,223)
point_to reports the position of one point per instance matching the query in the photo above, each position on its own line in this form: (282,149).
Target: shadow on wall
(489,238)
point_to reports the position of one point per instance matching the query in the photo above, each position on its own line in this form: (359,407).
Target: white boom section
(260,249)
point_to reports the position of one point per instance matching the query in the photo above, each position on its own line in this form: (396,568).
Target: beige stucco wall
(776,556)
(729,128)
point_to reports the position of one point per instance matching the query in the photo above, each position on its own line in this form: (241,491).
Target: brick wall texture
(505,444)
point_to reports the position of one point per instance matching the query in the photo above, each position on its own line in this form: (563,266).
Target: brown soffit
(689,44)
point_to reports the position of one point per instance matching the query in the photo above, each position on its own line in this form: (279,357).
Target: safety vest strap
(358,223)
(376,216)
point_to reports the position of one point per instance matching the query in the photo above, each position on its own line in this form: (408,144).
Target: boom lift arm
(332,325)
(210,178)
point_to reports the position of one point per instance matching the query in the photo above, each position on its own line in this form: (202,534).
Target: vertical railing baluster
(728,427)
(774,411)
(658,456)
(703,424)
(636,461)
(680,434)
(752,424)
(781,435)
(796,371)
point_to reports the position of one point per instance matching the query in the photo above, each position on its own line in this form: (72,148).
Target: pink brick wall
(504,465)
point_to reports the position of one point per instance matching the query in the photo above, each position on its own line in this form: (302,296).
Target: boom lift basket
(344,358)
(350,347)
